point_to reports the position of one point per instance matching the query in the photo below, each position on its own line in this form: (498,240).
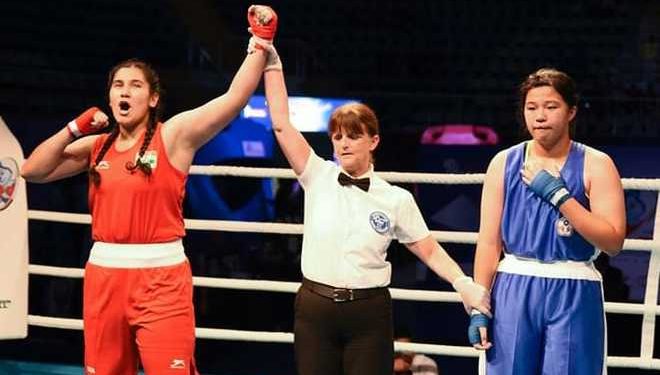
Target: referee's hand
(474,296)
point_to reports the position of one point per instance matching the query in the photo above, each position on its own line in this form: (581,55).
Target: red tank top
(131,207)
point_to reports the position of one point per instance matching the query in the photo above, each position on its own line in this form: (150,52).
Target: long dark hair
(154,116)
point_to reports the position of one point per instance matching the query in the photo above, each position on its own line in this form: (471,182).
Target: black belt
(341,294)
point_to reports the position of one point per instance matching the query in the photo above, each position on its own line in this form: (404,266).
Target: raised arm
(293,144)
(189,130)
(61,155)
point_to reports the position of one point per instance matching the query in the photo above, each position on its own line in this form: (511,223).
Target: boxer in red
(138,285)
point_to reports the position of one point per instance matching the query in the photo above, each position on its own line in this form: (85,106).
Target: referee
(343,311)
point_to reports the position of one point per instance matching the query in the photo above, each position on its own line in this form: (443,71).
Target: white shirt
(347,231)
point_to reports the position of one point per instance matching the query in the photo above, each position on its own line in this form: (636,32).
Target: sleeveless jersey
(131,207)
(532,227)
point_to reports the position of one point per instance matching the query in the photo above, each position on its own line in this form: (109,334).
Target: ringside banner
(13,239)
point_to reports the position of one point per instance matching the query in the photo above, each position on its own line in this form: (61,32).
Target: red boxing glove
(263,21)
(82,125)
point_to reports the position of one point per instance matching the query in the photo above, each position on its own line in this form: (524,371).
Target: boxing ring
(649,309)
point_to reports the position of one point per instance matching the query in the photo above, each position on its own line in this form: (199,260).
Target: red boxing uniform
(138,284)
(131,207)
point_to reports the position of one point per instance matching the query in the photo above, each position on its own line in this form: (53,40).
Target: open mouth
(124,107)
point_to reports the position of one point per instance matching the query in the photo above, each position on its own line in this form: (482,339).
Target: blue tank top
(533,228)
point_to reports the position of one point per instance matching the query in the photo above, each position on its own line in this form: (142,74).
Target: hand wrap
(477,320)
(263,22)
(83,124)
(550,188)
(263,26)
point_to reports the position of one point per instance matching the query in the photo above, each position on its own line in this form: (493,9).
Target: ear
(374,142)
(153,100)
(571,113)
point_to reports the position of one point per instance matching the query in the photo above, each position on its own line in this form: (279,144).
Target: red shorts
(139,315)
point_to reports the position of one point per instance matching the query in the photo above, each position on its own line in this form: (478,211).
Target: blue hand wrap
(550,188)
(476,321)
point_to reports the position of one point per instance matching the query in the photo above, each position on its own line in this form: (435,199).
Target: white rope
(59,217)
(456,351)
(223,170)
(72,273)
(243,226)
(288,228)
(651,295)
(649,310)
(401,177)
(641,245)
(256,285)
(236,335)
(51,322)
(633,362)
(641,183)
(292,287)
(287,337)
(259,336)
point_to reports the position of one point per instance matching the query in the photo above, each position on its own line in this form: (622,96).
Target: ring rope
(256,285)
(288,228)
(292,287)
(652,184)
(285,337)
(237,226)
(649,309)
(651,295)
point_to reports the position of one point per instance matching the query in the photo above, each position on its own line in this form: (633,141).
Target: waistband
(129,255)
(341,294)
(565,269)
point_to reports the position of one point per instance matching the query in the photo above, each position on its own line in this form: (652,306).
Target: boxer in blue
(551,204)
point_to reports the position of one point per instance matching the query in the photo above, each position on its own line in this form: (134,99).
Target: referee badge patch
(563,227)
(379,221)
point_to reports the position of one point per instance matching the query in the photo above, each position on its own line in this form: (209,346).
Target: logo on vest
(150,157)
(563,227)
(178,364)
(379,221)
(4,303)
(8,175)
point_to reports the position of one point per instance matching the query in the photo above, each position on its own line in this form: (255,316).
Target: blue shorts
(545,325)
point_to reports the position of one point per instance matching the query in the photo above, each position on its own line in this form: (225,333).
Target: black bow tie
(346,180)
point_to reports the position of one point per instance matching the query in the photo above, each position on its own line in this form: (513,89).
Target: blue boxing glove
(477,320)
(550,188)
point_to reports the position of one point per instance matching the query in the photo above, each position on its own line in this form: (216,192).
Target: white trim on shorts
(564,269)
(129,255)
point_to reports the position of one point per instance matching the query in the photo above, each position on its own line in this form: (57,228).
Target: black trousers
(343,338)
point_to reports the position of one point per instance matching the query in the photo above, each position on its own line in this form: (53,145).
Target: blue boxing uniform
(547,296)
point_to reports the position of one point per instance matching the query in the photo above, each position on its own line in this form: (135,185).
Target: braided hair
(139,163)
(154,116)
